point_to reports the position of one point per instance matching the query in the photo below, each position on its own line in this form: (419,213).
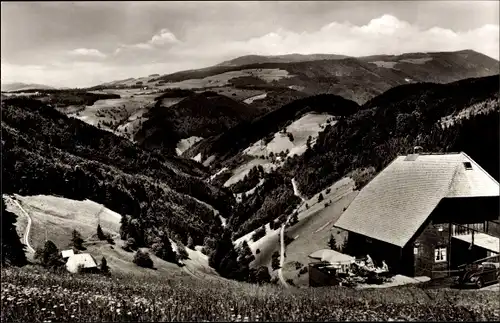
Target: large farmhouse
(425,214)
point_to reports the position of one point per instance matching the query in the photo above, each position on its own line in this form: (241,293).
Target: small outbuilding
(82,262)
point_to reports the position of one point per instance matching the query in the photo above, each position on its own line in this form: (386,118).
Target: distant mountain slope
(357,79)
(7,87)
(202,115)
(45,152)
(290,58)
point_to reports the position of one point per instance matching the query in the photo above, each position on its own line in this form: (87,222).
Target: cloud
(160,40)
(384,35)
(88,52)
(165,37)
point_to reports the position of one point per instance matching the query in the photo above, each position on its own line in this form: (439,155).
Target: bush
(130,244)
(290,136)
(142,259)
(257,251)
(263,275)
(303,270)
(100,233)
(259,233)
(181,251)
(320,197)
(49,256)
(104,266)
(275,263)
(76,240)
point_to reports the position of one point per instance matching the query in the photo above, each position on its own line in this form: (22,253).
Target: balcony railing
(460,229)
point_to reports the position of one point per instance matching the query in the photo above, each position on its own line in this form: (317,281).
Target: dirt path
(26,236)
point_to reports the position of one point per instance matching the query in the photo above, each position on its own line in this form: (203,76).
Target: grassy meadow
(33,295)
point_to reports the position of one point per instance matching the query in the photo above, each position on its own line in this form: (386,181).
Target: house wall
(425,243)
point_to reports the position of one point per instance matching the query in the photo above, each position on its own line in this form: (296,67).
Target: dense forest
(45,152)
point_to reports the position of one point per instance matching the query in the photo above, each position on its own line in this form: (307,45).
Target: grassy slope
(179,299)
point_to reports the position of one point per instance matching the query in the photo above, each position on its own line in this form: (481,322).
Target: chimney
(418,149)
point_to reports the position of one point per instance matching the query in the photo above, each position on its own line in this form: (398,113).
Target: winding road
(282,235)
(26,236)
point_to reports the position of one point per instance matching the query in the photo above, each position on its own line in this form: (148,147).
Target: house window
(440,254)
(467,165)
(415,250)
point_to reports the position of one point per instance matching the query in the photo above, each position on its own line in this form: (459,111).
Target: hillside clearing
(240,172)
(185,143)
(309,125)
(59,216)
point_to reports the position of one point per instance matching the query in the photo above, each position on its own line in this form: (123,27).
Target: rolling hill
(289,58)
(9,87)
(358,79)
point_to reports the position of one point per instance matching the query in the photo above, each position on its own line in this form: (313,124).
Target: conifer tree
(13,252)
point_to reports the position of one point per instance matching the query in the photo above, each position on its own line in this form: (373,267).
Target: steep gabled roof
(395,204)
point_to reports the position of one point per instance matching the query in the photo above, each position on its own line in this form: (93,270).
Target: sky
(78,44)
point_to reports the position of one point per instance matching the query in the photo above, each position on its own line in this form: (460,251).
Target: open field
(30,295)
(59,216)
(308,125)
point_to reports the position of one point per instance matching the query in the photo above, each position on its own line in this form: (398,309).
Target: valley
(242,168)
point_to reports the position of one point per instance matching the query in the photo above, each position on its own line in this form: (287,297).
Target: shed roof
(82,259)
(395,204)
(67,253)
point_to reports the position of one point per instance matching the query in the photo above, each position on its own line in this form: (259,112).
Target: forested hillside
(401,118)
(45,152)
(229,143)
(202,115)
